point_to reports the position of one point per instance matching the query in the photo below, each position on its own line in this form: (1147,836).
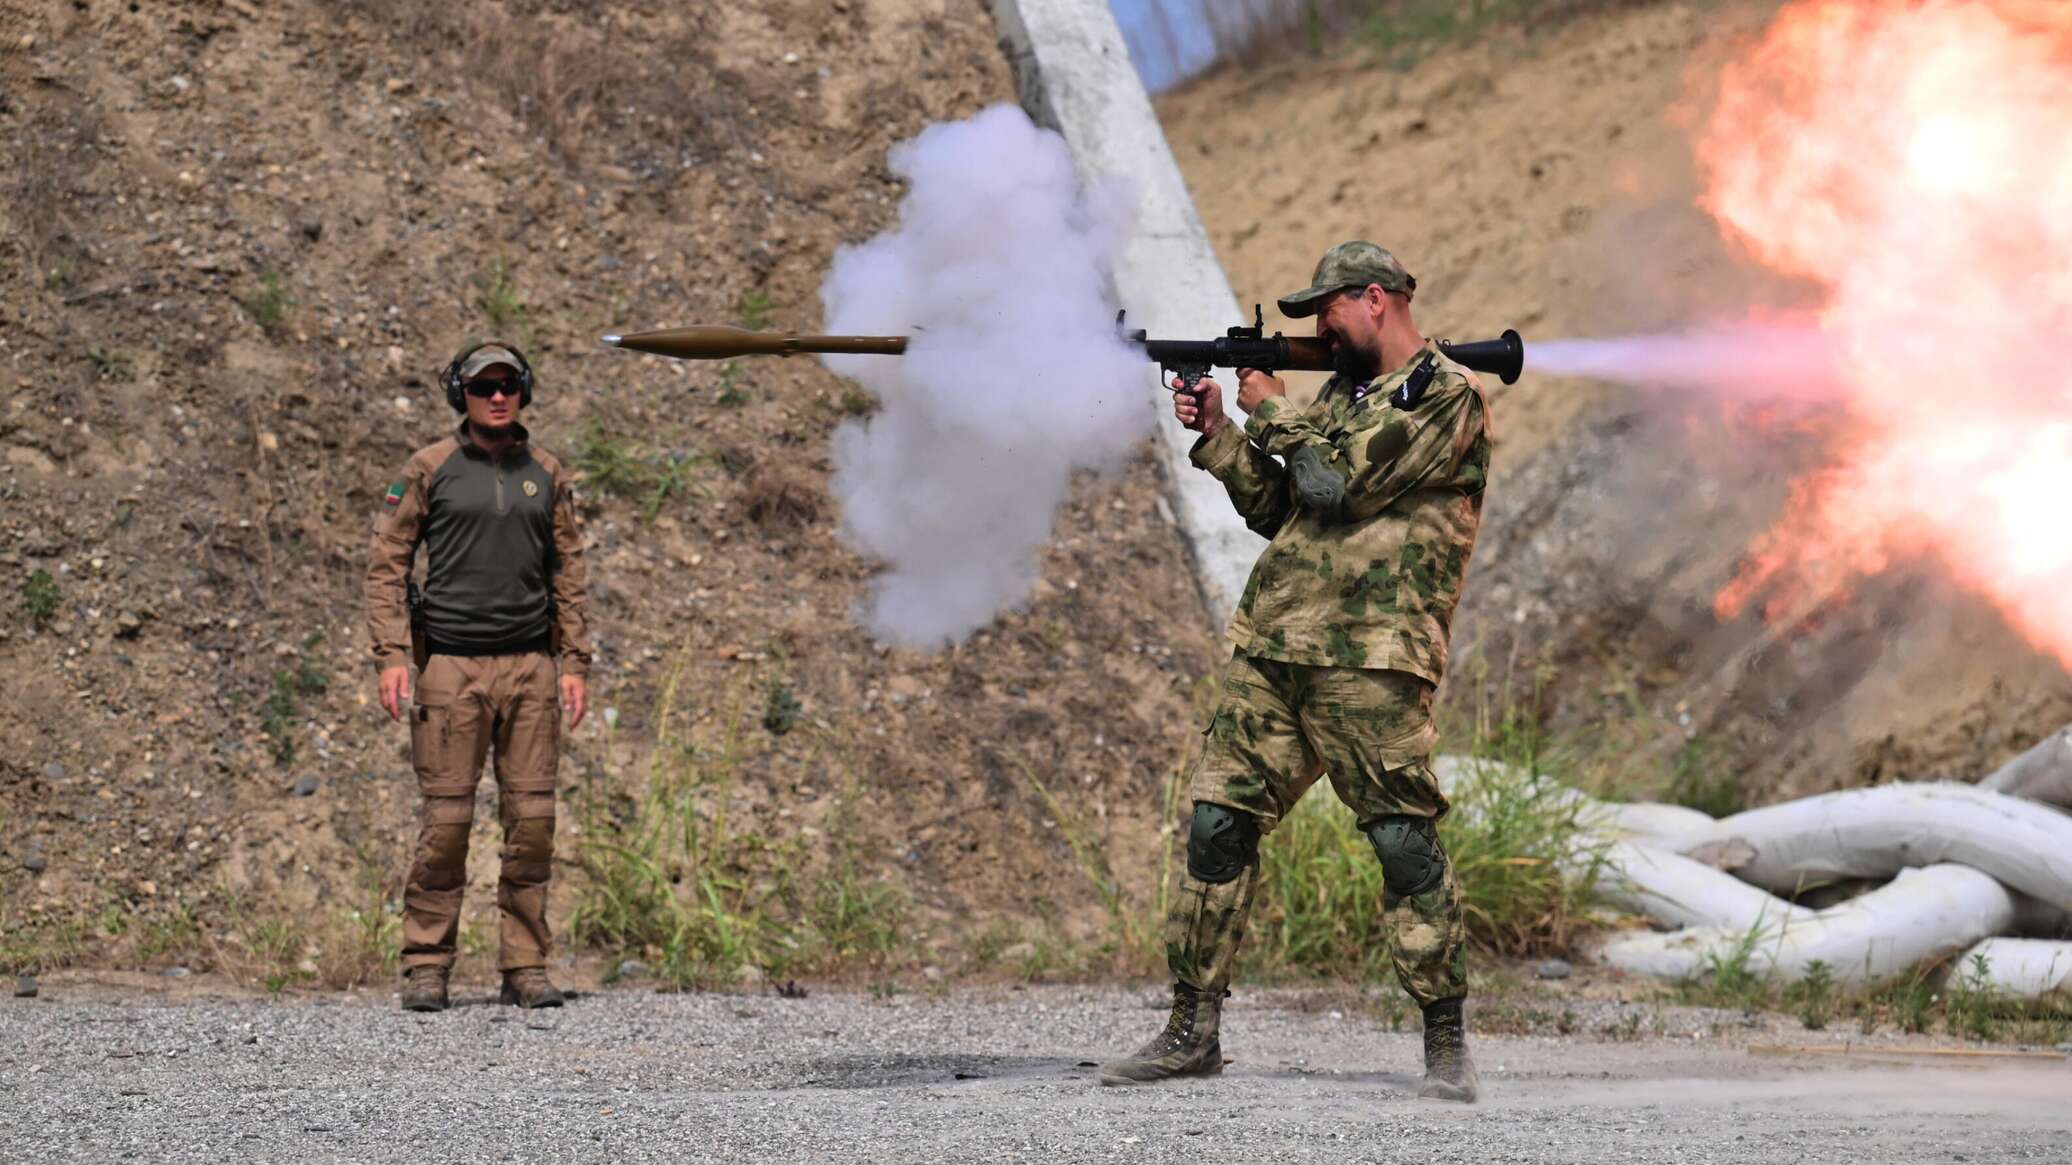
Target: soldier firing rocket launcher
(1186,360)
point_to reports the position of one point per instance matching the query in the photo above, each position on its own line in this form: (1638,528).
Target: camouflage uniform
(1341,638)
(1371,504)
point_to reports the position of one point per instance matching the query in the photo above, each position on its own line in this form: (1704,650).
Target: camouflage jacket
(1374,584)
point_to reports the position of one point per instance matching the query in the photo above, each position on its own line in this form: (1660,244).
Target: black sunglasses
(489,388)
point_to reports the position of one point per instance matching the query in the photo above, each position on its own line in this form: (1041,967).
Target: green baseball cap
(488,355)
(1344,267)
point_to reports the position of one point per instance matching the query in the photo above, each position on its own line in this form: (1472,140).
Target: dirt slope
(1539,181)
(236,239)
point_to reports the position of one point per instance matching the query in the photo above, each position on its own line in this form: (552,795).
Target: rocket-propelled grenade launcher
(1190,360)
(1185,360)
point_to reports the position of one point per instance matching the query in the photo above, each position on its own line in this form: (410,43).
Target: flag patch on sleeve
(394,495)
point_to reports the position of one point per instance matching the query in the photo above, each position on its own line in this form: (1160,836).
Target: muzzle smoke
(1736,361)
(1015,379)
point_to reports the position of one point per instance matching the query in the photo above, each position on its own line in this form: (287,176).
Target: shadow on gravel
(1399,1081)
(897,1071)
(490,999)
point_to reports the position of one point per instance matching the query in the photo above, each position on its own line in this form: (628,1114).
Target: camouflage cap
(488,355)
(1346,266)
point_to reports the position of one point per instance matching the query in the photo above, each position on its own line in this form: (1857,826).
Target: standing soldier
(503,613)
(1341,638)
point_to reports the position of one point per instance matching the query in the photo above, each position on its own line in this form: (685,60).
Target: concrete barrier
(1075,76)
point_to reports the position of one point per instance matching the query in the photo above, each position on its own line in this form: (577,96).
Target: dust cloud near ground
(981,1076)
(1543,180)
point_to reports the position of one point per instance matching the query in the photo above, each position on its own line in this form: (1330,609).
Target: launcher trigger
(1189,375)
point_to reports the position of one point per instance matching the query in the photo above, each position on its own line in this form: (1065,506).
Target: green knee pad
(1221,843)
(1411,860)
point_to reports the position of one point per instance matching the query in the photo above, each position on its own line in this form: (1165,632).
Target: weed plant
(781,710)
(1135,929)
(676,874)
(1812,998)
(498,301)
(610,465)
(282,707)
(732,393)
(267,304)
(110,364)
(755,311)
(1959,999)
(39,597)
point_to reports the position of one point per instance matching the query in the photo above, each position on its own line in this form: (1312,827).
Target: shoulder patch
(394,496)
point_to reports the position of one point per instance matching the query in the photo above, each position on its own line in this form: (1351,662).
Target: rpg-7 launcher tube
(1503,357)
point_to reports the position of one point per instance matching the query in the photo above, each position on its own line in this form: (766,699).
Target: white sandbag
(1647,879)
(1652,821)
(1673,890)
(2044,773)
(1874,833)
(2026,967)
(1920,914)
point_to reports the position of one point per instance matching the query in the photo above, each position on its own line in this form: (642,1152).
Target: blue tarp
(1169,40)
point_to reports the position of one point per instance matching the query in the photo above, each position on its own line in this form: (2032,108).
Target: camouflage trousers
(1277,727)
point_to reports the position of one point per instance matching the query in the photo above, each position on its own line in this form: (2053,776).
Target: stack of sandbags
(1983,870)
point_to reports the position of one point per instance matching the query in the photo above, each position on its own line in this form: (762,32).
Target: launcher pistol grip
(1190,377)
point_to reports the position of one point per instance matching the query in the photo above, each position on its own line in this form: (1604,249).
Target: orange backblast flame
(1914,161)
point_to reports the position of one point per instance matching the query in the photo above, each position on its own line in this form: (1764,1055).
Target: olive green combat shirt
(504,557)
(1374,584)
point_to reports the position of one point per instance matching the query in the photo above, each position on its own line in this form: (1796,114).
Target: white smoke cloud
(1000,269)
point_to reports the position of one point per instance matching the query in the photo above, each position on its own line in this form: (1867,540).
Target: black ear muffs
(456,393)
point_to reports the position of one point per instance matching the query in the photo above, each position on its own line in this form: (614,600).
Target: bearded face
(1347,323)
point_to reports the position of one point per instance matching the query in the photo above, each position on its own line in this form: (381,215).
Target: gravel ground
(994,1075)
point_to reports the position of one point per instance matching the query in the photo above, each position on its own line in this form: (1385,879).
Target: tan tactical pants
(464,707)
(1277,727)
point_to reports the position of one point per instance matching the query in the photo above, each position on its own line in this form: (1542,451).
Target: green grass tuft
(755,311)
(1813,997)
(674,874)
(498,301)
(781,710)
(268,304)
(112,365)
(610,465)
(39,597)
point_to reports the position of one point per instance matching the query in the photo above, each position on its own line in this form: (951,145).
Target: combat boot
(529,987)
(1449,1073)
(424,988)
(1188,1046)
